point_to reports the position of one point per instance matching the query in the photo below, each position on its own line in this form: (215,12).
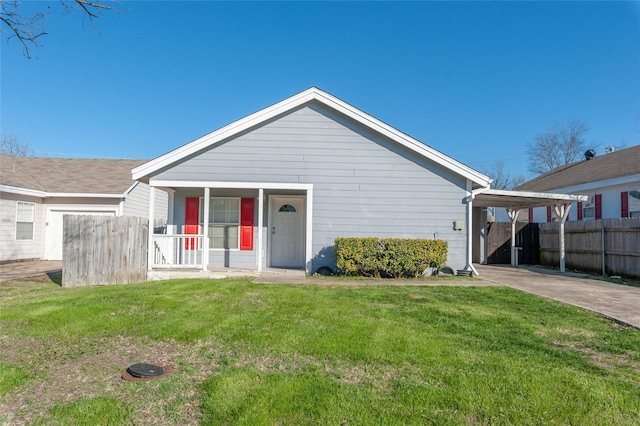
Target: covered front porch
(222,229)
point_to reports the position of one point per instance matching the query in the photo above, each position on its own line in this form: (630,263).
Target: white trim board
(43,194)
(229,185)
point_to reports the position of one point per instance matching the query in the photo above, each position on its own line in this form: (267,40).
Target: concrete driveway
(15,270)
(619,302)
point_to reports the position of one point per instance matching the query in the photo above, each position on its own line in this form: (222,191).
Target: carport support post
(562,212)
(513,215)
(471,195)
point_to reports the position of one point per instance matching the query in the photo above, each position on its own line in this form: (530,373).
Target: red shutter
(598,206)
(548,213)
(192,209)
(624,204)
(579,207)
(246,223)
(530,214)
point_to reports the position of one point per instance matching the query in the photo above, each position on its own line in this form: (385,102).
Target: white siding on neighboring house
(62,186)
(611,202)
(11,248)
(610,177)
(56,209)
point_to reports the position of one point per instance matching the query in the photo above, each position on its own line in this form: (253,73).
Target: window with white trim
(589,208)
(25,218)
(224,222)
(634,202)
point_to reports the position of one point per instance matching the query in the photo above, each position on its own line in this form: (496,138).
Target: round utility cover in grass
(145,370)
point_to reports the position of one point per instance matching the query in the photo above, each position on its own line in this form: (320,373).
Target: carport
(514,202)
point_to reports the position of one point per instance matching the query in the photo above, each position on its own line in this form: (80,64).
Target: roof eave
(45,194)
(524,199)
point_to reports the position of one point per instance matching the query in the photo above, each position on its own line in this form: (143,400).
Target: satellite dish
(589,154)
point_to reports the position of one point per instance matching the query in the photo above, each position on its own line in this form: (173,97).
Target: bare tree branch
(501,178)
(28,29)
(563,144)
(90,9)
(15,146)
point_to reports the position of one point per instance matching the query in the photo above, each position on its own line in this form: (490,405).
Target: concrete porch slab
(217,273)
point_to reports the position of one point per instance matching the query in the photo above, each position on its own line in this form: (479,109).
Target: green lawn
(327,355)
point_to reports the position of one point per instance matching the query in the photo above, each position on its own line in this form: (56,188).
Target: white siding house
(276,188)
(611,181)
(35,194)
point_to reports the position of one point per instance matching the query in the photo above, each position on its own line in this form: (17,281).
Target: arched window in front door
(287,208)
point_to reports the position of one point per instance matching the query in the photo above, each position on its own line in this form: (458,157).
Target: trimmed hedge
(394,257)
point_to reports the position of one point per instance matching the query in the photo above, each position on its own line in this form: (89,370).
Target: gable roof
(618,164)
(59,176)
(312,94)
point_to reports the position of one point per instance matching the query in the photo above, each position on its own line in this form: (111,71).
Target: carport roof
(522,199)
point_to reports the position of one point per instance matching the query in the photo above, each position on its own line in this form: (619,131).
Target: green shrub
(359,256)
(396,257)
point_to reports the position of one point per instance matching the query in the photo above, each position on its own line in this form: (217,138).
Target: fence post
(604,250)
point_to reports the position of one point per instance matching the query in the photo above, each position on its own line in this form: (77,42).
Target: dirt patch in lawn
(62,373)
(582,341)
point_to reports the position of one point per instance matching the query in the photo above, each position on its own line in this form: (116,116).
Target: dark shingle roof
(67,175)
(608,166)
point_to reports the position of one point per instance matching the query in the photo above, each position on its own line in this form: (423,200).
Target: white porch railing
(177,251)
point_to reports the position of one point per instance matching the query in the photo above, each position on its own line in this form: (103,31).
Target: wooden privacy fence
(606,246)
(104,250)
(499,243)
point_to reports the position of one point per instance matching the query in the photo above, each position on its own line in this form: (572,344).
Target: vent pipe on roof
(589,154)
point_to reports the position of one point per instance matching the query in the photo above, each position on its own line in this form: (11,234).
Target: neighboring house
(35,193)
(275,189)
(612,182)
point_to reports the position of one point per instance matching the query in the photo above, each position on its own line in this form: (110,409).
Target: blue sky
(475,80)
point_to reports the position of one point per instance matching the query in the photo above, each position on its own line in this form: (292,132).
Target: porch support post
(171,201)
(308,261)
(205,233)
(513,215)
(259,251)
(150,247)
(562,212)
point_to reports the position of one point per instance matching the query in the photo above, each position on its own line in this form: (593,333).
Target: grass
(623,281)
(287,354)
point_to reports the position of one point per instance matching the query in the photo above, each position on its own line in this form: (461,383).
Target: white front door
(287,235)
(54,231)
